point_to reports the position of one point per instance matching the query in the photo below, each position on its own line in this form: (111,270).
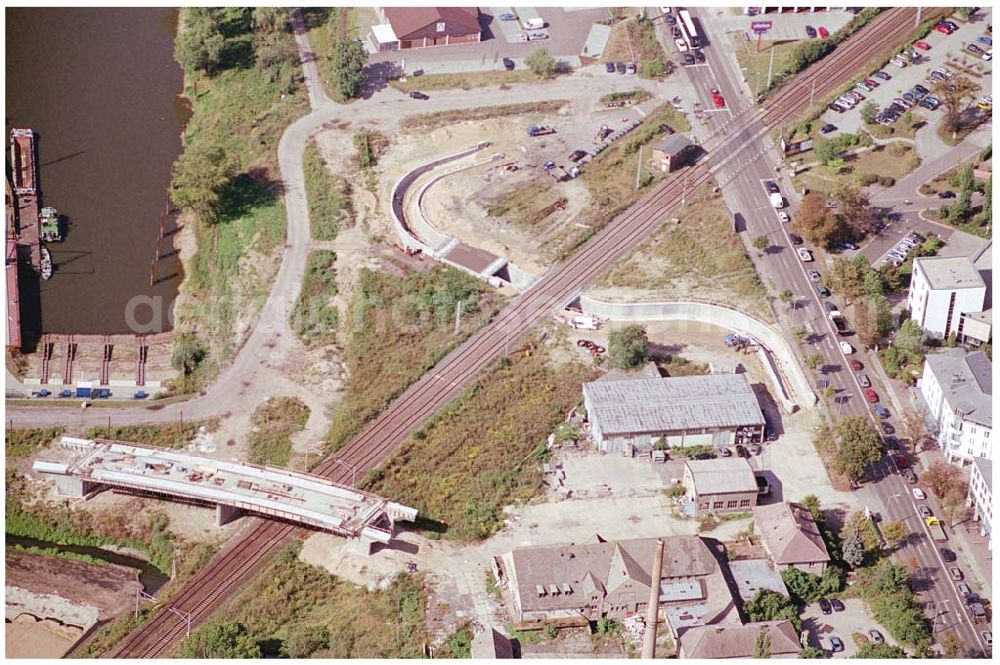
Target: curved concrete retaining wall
(778,360)
(406,235)
(421,224)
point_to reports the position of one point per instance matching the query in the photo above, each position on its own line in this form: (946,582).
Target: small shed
(671,153)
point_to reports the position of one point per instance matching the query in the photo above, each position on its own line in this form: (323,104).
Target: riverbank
(230,249)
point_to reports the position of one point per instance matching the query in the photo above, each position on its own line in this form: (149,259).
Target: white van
(534,24)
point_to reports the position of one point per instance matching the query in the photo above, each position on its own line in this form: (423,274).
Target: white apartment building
(957,387)
(981,496)
(942,289)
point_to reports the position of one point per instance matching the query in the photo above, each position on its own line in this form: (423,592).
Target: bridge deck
(300,497)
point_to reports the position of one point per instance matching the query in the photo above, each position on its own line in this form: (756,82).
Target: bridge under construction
(233,487)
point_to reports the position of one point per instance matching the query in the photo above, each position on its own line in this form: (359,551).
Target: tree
(859,446)
(813,360)
(874,281)
(914,428)
(800,332)
(812,504)
(895,532)
(348,67)
(220,639)
(806,588)
(881,312)
(858,524)
(760,243)
(811,652)
(770,605)
(868,112)
(541,63)
(199,44)
(762,648)
(627,347)
(199,175)
(853,551)
(952,646)
(815,223)
(939,476)
(269,20)
(847,276)
(864,325)
(986,216)
(953,94)
(909,338)
(786,297)
(965,12)
(855,209)
(189,352)
(878,651)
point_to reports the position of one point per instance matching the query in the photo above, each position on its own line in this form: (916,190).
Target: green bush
(627,347)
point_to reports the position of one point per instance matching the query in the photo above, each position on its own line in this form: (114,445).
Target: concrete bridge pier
(77,488)
(226,514)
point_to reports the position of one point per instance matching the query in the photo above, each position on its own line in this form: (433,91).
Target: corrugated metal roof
(722,476)
(673,403)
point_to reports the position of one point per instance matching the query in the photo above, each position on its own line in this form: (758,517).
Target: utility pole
(919,11)
(812,91)
(770,68)
(458,316)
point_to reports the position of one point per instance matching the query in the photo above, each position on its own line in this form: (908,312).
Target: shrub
(627,347)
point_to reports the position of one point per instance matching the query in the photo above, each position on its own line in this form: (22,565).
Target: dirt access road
(272,344)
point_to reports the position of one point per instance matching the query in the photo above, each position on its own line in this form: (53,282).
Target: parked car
(823,32)
(416,94)
(864,381)
(923,46)
(881,411)
(924,510)
(919,88)
(507,16)
(824,606)
(833,106)
(703,456)
(772,187)
(846,348)
(755,448)
(883,75)
(508,64)
(671,20)
(666,129)
(942,28)
(822,291)
(948,555)
(910,476)
(946,194)
(43,393)
(814,275)
(796,240)
(810,32)
(783,216)
(577,155)
(871,395)
(856,365)
(741,451)
(140,394)
(931,103)
(987,637)
(620,67)
(864,86)
(681,46)
(875,636)
(725,452)
(985,40)
(537,35)
(835,644)
(872,83)
(887,428)
(699,55)
(956,574)
(951,24)
(963,589)
(630,68)
(688,58)
(837,605)
(717,99)
(827,128)
(609,67)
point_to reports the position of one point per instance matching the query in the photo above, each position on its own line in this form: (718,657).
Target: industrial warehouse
(640,414)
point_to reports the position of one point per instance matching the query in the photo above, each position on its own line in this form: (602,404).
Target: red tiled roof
(457,20)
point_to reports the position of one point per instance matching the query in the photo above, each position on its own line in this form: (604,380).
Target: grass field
(294,610)
(164,435)
(397,329)
(274,422)
(700,256)
(465,80)
(773,57)
(894,161)
(484,450)
(330,206)
(22,443)
(426,122)
(315,316)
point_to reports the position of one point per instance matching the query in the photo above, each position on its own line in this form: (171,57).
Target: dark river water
(100,88)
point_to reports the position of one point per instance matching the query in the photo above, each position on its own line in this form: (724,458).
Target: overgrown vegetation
(316,316)
(399,327)
(653,62)
(163,435)
(330,207)
(294,610)
(886,588)
(806,588)
(700,253)
(637,96)
(242,79)
(425,122)
(458,644)
(274,422)
(484,450)
(22,443)
(466,80)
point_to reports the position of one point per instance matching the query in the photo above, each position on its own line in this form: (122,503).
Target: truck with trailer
(935,529)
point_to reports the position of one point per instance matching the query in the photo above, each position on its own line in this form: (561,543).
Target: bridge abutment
(226,514)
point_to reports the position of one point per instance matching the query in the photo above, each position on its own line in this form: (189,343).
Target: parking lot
(904,79)
(855,618)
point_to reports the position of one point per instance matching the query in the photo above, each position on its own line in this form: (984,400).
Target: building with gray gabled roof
(639,414)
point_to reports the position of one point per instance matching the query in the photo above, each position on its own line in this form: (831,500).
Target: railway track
(207,590)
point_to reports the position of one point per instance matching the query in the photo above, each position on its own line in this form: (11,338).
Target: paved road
(886,493)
